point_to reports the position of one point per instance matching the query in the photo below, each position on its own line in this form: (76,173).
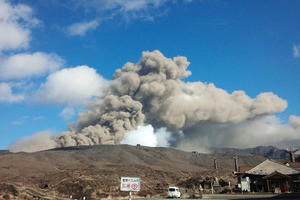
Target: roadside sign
(130,184)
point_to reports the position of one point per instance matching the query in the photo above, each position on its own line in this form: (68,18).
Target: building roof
(268,167)
(276,175)
(243,169)
(294,164)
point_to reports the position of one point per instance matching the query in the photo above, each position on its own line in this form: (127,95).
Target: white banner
(130,184)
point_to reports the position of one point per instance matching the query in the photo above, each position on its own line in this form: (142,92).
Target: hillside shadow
(72,148)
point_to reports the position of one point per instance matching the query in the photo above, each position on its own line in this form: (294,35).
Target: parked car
(173,192)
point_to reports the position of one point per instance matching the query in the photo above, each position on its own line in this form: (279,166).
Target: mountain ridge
(265,151)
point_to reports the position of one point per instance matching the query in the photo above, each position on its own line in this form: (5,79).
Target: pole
(215,163)
(129,195)
(236,164)
(268,185)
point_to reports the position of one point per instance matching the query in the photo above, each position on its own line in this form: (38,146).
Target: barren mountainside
(265,151)
(95,171)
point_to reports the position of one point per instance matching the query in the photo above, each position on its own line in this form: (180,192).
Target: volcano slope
(95,171)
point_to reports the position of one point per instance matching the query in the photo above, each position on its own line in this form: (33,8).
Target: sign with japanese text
(130,184)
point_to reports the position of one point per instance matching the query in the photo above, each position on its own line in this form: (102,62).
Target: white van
(173,192)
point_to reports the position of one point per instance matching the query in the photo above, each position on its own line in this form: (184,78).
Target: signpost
(130,184)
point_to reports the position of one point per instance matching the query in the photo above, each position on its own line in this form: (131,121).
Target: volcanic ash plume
(105,122)
(39,141)
(153,92)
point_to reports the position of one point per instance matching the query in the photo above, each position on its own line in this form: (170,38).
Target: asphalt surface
(249,196)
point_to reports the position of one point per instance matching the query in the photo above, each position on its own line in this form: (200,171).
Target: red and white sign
(130,184)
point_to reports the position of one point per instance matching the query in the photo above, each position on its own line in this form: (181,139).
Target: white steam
(146,136)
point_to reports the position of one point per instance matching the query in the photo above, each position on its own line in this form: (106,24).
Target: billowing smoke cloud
(106,122)
(153,92)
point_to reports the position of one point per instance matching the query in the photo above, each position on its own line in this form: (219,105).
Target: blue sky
(252,46)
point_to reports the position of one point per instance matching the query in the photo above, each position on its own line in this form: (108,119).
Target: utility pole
(215,163)
(236,163)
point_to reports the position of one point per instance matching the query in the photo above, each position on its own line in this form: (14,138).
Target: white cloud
(20,121)
(266,130)
(38,118)
(67,113)
(14,25)
(7,96)
(296,51)
(71,86)
(110,9)
(135,5)
(295,122)
(122,6)
(80,29)
(104,10)
(135,9)
(26,65)
(128,10)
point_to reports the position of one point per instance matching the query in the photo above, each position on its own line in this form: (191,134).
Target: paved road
(248,196)
(294,196)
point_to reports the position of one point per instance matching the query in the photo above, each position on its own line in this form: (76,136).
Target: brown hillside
(95,171)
